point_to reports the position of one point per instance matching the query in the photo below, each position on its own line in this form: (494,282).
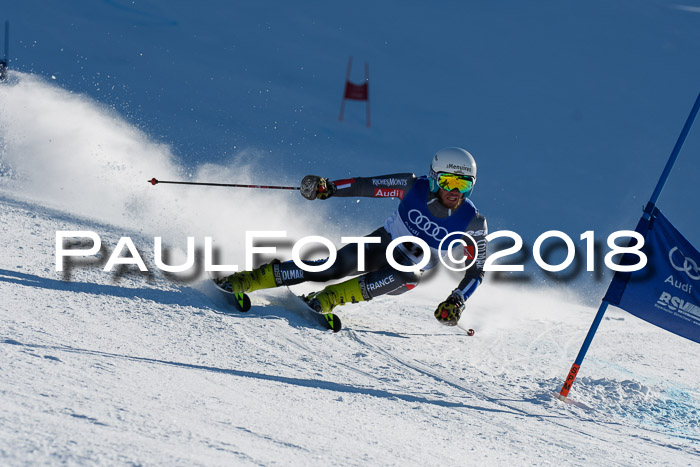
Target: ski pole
(155,181)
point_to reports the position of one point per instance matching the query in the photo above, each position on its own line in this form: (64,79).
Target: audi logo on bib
(426,225)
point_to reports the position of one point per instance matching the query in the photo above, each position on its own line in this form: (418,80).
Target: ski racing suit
(419,214)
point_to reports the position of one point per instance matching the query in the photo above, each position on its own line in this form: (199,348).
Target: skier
(430,208)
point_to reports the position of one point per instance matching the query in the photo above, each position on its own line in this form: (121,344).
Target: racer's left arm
(449,311)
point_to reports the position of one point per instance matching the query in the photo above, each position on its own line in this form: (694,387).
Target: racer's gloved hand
(449,311)
(315,187)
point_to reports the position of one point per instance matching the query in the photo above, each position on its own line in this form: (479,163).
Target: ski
(327,320)
(240,301)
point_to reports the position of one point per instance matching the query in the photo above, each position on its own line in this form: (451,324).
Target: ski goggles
(449,182)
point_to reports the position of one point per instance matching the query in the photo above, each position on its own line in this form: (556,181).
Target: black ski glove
(449,311)
(315,187)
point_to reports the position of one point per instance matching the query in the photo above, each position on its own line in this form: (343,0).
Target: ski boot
(249,281)
(334,295)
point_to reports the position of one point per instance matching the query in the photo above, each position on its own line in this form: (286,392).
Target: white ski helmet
(452,160)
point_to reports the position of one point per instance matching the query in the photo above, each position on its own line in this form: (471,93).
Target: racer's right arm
(381,186)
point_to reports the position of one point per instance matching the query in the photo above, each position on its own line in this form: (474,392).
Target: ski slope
(570,109)
(138,369)
(144,368)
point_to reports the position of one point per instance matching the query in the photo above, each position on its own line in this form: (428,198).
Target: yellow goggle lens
(449,182)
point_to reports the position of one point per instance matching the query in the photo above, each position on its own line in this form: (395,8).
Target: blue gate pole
(566,387)
(672,158)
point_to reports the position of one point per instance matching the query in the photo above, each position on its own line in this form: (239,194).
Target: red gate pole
(347,78)
(367,84)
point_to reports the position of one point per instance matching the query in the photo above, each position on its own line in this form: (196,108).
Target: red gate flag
(358,92)
(355,92)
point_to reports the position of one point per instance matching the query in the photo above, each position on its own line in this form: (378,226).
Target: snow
(137,369)
(133,368)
